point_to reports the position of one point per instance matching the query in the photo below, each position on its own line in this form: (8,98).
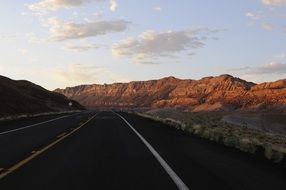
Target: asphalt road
(109,151)
(8,125)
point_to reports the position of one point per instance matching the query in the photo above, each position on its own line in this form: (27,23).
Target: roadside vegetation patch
(211,126)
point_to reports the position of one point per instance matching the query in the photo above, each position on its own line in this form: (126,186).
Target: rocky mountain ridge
(223,92)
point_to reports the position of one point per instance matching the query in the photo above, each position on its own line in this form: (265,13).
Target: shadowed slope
(22,97)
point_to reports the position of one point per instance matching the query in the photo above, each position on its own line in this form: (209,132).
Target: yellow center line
(37,153)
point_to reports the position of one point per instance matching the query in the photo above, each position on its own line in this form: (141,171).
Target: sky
(60,43)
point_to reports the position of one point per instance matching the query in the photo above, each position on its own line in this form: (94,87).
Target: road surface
(107,150)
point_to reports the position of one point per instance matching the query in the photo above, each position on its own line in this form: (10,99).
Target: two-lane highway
(124,151)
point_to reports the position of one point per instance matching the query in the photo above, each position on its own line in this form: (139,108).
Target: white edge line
(177,180)
(33,125)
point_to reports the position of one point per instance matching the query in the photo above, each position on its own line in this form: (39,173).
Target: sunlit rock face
(223,92)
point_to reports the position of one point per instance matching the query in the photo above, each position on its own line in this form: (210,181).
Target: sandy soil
(271,123)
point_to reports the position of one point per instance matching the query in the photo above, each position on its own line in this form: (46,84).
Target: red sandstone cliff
(210,93)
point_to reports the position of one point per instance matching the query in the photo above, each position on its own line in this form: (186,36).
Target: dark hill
(24,97)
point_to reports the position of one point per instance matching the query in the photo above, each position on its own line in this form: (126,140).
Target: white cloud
(23,51)
(157,8)
(8,38)
(274,2)
(267,26)
(23,13)
(113,5)
(272,68)
(281,57)
(62,30)
(264,73)
(53,5)
(151,45)
(253,15)
(266,14)
(34,60)
(78,74)
(249,14)
(80,48)
(33,38)
(263,17)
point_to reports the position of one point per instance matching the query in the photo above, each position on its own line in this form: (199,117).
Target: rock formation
(223,92)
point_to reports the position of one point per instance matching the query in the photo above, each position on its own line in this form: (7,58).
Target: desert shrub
(217,135)
(175,123)
(268,151)
(184,126)
(272,154)
(210,126)
(211,134)
(198,129)
(206,133)
(231,140)
(190,129)
(277,156)
(246,145)
(257,142)
(187,127)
